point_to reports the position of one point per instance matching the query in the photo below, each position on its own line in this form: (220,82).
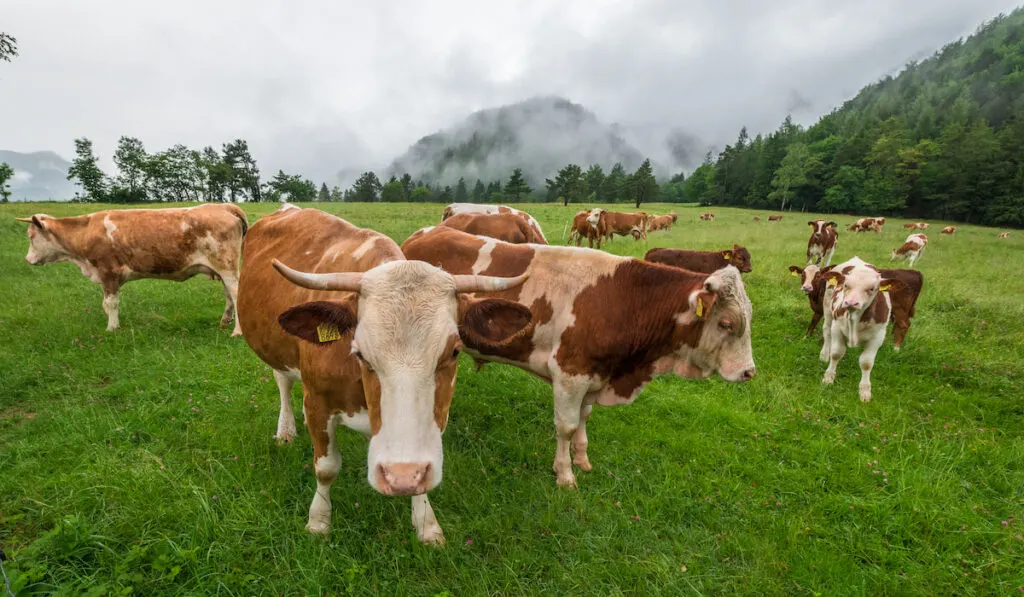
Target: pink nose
(806,289)
(851,304)
(748,374)
(403,478)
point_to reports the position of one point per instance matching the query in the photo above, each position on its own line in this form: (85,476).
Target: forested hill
(944,139)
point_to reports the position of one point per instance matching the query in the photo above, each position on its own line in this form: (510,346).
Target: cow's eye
(725,325)
(455,353)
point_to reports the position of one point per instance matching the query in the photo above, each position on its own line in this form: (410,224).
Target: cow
(822,243)
(904,298)
(775,218)
(948,230)
(375,340)
(910,250)
(590,225)
(603,325)
(916,225)
(867,225)
(757,218)
(1004,235)
(664,222)
(461,208)
(708,217)
(507,227)
(704,262)
(114,247)
(626,224)
(857,310)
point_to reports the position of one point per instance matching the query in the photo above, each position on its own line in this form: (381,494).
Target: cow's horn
(26,220)
(350,281)
(470,283)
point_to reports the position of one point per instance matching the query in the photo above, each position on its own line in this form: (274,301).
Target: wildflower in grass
(357,504)
(469,542)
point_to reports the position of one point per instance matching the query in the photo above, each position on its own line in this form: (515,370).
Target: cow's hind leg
(838,349)
(579,441)
(285,418)
(326,464)
(569,396)
(230,300)
(112,304)
(427,529)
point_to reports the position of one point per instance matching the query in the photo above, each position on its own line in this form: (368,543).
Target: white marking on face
(483,258)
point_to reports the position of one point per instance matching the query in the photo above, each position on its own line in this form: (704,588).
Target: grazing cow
(1004,235)
(603,325)
(114,247)
(475,208)
(775,218)
(663,222)
(705,262)
(916,225)
(867,225)
(709,217)
(375,341)
(626,224)
(904,298)
(757,218)
(857,311)
(507,227)
(948,230)
(590,225)
(822,243)
(911,249)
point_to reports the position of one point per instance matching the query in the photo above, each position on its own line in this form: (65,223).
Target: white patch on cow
(285,416)
(360,422)
(365,246)
(185,226)
(483,257)
(326,468)
(286,206)
(110,227)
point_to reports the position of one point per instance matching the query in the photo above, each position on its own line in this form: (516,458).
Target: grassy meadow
(141,461)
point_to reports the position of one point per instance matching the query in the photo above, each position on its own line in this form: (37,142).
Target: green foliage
(791,175)
(366,188)
(642,185)
(392,192)
(324,195)
(479,191)
(569,185)
(419,195)
(516,188)
(86,171)
(292,188)
(461,193)
(131,160)
(6,173)
(612,187)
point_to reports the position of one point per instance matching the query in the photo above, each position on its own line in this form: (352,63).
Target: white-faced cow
(114,247)
(603,325)
(375,341)
(910,250)
(822,243)
(453,209)
(588,225)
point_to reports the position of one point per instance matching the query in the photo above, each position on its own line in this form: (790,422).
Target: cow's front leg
(569,394)
(427,529)
(826,343)
(836,353)
(579,441)
(285,417)
(326,464)
(112,304)
(867,362)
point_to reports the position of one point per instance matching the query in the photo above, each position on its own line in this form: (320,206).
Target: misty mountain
(38,176)
(539,135)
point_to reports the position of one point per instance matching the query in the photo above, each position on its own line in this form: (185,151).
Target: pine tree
(86,171)
(516,187)
(324,195)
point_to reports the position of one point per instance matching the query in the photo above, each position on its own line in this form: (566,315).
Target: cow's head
(595,216)
(806,275)
(403,320)
(43,246)
(739,257)
(724,344)
(674,216)
(855,285)
(818,227)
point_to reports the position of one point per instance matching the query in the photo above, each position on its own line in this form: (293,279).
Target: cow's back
(704,262)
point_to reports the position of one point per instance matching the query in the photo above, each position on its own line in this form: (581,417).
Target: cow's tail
(238,213)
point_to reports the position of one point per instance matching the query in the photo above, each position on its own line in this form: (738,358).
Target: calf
(603,325)
(114,247)
(709,217)
(857,310)
(775,218)
(626,224)
(453,209)
(822,243)
(904,298)
(948,230)
(507,227)
(705,262)
(663,222)
(375,340)
(590,225)
(911,249)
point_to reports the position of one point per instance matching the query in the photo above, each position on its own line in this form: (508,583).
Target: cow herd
(374,329)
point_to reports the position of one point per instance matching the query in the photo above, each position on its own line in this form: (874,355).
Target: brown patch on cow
(444,380)
(624,223)
(706,262)
(494,325)
(505,226)
(371,396)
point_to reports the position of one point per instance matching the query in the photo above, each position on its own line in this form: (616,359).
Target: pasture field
(141,461)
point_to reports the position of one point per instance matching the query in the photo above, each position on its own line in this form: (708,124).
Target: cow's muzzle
(404,478)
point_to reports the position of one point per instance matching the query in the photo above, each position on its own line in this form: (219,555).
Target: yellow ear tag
(727,254)
(833,282)
(700,307)
(884,287)
(794,274)
(326,332)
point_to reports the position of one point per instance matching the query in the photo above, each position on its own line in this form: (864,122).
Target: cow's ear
(727,255)
(833,278)
(811,223)
(832,224)
(796,271)
(705,299)
(492,323)
(891,285)
(320,322)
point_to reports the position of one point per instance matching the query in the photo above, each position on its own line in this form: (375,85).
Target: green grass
(142,461)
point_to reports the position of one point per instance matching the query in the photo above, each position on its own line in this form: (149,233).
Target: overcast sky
(322,85)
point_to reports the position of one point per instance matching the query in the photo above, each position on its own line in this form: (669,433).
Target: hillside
(38,176)
(943,139)
(539,135)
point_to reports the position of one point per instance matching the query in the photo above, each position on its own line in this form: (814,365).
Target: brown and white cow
(916,225)
(590,225)
(375,341)
(857,311)
(603,325)
(1004,235)
(904,298)
(664,222)
(822,243)
(705,262)
(478,208)
(507,227)
(757,218)
(775,218)
(867,225)
(948,230)
(625,224)
(910,250)
(708,217)
(114,247)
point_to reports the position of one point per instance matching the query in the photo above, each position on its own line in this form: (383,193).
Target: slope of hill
(38,176)
(943,139)
(539,135)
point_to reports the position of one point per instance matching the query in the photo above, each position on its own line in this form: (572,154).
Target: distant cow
(117,246)
(589,225)
(626,224)
(867,225)
(916,225)
(707,217)
(510,228)
(904,298)
(375,340)
(478,208)
(857,310)
(705,262)
(757,218)
(775,218)
(603,325)
(910,250)
(948,230)
(822,243)
(1004,235)
(663,222)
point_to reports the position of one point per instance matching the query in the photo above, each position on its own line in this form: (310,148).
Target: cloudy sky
(317,86)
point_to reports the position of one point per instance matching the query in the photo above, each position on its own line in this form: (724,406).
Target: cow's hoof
(865,395)
(236,333)
(828,379)
(431,536)
(319,528)
(567,481)
(284,437)
(583,462)
(896,348)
